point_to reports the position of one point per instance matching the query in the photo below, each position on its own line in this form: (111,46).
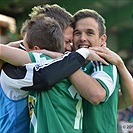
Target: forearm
(126,81)
(88,87)
(13,55)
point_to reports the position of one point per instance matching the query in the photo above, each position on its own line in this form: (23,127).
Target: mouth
(83,46)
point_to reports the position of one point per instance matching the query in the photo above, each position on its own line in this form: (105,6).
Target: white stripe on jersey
(34,122)
(79,115)
(106,79)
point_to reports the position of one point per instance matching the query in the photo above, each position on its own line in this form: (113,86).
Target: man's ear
(36,48)
(103,39)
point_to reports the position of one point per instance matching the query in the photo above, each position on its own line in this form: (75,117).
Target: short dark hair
(45,33)
(85,13)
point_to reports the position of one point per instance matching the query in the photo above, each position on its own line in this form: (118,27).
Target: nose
(67,47)
(83,37)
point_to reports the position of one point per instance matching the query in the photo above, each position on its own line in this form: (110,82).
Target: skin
(86,34)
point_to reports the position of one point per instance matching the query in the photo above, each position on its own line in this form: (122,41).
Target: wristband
(84,52)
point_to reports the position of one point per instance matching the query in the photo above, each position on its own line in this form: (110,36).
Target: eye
(89,33)
(77,33)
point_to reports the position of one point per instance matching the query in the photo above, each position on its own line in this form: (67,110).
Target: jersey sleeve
(47,75)
(107,76)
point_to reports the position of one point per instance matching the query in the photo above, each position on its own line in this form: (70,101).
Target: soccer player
(99,85)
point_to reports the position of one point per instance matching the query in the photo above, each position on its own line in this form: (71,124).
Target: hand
(95,57)
(108,55)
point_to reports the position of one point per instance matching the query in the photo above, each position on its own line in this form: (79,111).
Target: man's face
(86,34)
(68,36)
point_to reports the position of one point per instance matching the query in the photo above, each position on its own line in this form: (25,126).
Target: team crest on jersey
(31,104)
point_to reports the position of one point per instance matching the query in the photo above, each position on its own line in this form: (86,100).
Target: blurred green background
(117,13)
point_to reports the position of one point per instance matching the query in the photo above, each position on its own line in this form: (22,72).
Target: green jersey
(102,118)
(58,110)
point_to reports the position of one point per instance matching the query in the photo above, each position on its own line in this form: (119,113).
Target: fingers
(94,56)
(103,55)
(100,49)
